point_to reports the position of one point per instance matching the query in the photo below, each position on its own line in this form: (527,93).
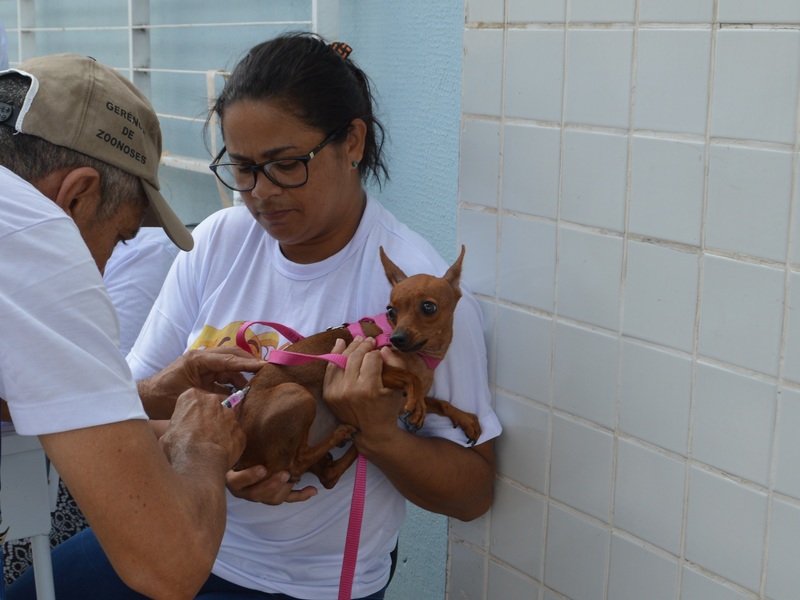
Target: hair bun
(341,49)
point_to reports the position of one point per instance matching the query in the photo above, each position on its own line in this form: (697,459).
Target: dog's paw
(410,424)
(471,426)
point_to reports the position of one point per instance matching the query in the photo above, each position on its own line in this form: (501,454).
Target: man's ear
(79,194)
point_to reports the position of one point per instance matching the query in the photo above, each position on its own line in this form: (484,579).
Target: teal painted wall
(412,51)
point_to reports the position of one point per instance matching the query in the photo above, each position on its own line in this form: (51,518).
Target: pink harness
(287,357)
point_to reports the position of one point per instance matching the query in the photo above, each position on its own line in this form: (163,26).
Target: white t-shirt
(133,278)
(237,273)
(60,364)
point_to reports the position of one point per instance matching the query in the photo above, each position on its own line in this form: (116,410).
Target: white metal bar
(325,18)
(139,44)
(165,26)
(26,23)
(187,163)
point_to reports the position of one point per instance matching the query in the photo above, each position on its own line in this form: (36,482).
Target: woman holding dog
(301,139)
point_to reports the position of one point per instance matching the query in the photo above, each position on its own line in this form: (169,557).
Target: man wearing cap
(79,154)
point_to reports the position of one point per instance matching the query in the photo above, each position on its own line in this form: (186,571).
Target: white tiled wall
(630,202)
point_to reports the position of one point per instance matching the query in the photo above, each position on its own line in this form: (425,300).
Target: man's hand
(200,425)
(208,370)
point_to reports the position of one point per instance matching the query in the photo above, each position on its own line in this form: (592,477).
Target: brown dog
(288,425)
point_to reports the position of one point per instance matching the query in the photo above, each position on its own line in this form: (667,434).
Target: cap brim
(161,214)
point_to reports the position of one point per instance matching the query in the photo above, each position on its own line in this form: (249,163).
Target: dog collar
(383,339)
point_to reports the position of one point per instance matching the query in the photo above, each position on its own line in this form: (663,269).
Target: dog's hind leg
(329,470)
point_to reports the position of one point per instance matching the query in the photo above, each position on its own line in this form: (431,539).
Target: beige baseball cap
(76,102)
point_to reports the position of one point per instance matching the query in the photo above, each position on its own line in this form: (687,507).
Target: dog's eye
(428,308)
(391,314)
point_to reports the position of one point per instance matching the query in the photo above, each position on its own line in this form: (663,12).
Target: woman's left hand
(255,485)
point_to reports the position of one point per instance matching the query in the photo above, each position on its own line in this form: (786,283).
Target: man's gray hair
(33,158)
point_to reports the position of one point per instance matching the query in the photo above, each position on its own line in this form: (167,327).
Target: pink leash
(359,487)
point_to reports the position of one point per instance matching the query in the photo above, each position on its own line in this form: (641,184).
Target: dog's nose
(399,339)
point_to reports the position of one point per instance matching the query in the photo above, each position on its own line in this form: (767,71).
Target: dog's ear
(453,275)
(393,273)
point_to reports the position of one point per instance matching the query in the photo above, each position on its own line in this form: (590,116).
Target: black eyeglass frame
(215,164)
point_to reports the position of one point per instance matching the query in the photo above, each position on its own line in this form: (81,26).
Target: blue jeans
(81,570)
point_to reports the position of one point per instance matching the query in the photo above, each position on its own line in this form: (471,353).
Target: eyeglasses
(286,172)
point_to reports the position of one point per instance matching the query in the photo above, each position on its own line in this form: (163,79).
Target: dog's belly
(324,423)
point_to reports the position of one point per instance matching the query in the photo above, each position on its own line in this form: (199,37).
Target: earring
(355,164)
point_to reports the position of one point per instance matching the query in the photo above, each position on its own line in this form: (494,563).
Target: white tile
(787,470)
(585,373)
(524,356)
(599,77)
(509,585)
(697,586)
(655,395)
(534,74)
(517,528)
(725,528)
(477,230)
(482,77)
(595,174)
(649,493)
(544,11)
(475,532)
(763,11)
(783,576)
(531,169)
(589,272)
(489,313)
(749,193)
(484,11)
(522,450)
(660,295)
(608,11)
(662,205)
(467,572)
(755,96)
(577,556)
(672,80)
(528,262)
(795,257)
(730,408)
(480,163)
(637,572)
(791,361)
(580,467)
(741,313)
(676,11)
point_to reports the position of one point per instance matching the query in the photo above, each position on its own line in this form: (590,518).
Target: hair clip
(341,49)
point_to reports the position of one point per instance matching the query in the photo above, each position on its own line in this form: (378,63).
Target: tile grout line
(776,424)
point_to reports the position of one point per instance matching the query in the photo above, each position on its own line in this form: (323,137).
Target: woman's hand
(254,485)
(356,394)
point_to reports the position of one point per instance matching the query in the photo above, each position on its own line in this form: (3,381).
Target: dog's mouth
(411,349)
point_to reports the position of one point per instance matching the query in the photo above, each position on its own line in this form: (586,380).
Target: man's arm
(204,369)
(158,509)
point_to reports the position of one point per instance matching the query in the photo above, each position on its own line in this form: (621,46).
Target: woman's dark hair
(316,83)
